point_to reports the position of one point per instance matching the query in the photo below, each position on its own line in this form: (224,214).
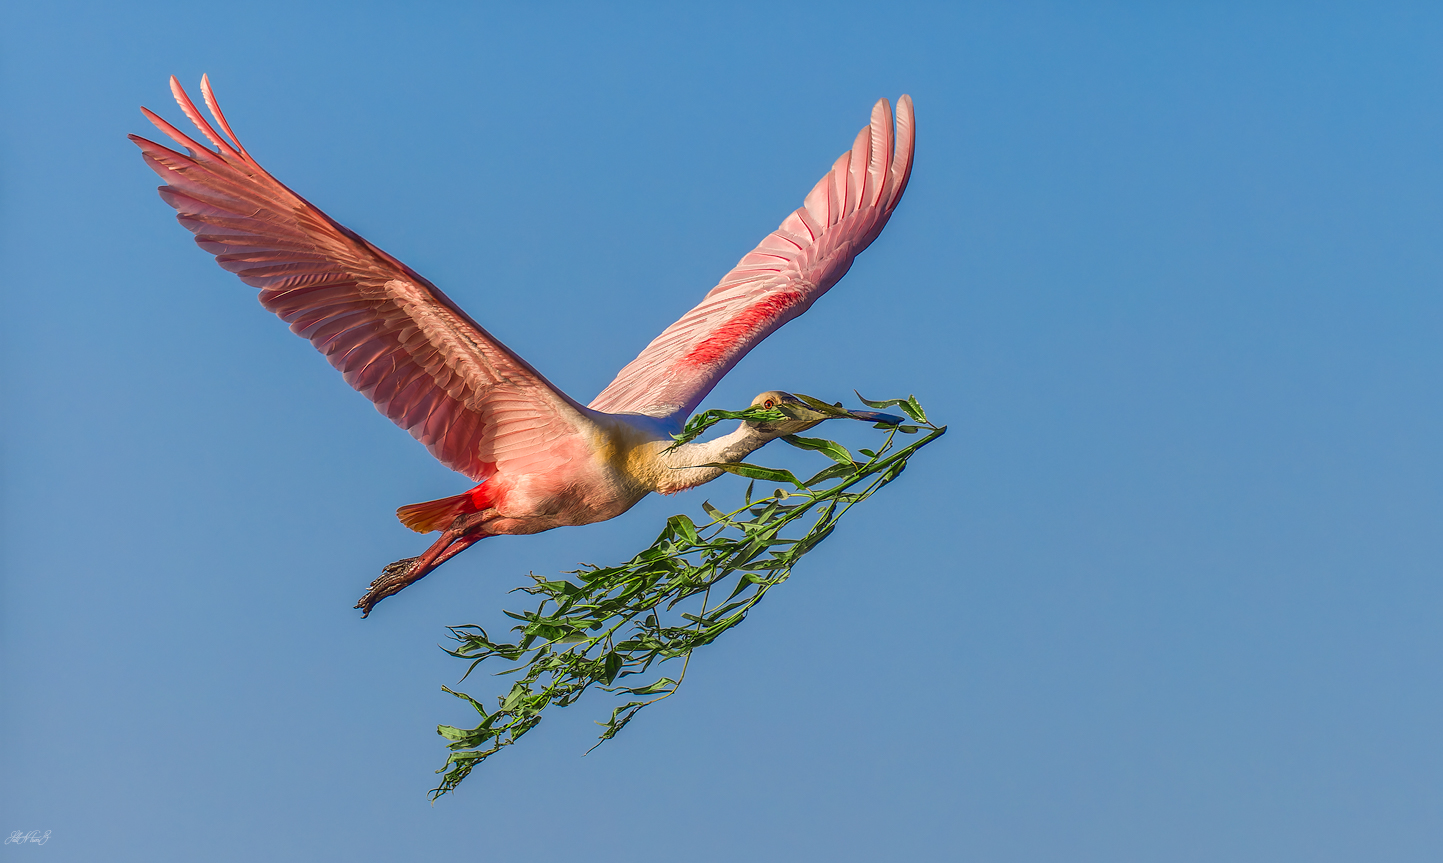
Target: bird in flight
(540,458)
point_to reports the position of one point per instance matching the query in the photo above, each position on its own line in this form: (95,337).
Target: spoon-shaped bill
(877,417)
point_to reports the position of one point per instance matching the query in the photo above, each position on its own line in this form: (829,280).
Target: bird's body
(541,459)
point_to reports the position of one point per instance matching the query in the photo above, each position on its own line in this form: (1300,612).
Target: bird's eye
(769,404)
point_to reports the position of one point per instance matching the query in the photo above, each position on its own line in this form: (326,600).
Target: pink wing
(397,339)
(778,281)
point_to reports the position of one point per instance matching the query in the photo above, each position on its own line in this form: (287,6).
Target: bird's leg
(462,534)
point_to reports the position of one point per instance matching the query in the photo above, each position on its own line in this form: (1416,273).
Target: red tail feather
(438,514)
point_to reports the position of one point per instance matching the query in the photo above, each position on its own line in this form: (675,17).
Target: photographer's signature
(33,836)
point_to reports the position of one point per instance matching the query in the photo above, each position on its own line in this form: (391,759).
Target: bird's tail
(439,514)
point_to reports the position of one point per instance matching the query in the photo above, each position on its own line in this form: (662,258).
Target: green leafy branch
(692,584)
(699,423)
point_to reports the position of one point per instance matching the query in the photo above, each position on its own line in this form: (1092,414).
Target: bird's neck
(681,468)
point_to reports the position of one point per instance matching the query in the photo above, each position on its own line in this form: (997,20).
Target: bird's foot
(394,578)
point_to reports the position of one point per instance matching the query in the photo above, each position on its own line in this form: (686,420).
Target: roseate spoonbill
(540,458)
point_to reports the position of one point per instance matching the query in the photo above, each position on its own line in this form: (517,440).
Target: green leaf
(611,667)
(756,471)
(832,472)
(888,403)
(831,449)
(820,406)
(684,528)
(664,684)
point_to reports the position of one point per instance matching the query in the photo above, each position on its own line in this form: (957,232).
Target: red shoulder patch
(720,344)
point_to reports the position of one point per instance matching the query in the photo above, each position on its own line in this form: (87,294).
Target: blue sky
(1169,590)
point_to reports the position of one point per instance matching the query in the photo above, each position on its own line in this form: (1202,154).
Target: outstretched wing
(393,335)
(778,280)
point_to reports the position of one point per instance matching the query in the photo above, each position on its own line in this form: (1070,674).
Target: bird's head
(804,412)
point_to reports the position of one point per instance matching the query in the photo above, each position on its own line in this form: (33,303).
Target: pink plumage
(542,459)
(777,281)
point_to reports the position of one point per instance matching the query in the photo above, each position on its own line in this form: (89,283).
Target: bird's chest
(597,485)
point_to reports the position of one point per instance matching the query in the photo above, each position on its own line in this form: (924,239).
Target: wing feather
(393,335)
(779,279)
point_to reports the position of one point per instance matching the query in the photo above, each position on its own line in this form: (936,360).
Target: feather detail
(778,280)
(393,335)
(435,515)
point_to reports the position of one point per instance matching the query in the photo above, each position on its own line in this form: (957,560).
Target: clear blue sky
(1170,590)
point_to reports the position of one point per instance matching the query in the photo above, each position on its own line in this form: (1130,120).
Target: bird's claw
(394,577)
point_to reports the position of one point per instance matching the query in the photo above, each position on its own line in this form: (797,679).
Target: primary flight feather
(540,458)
